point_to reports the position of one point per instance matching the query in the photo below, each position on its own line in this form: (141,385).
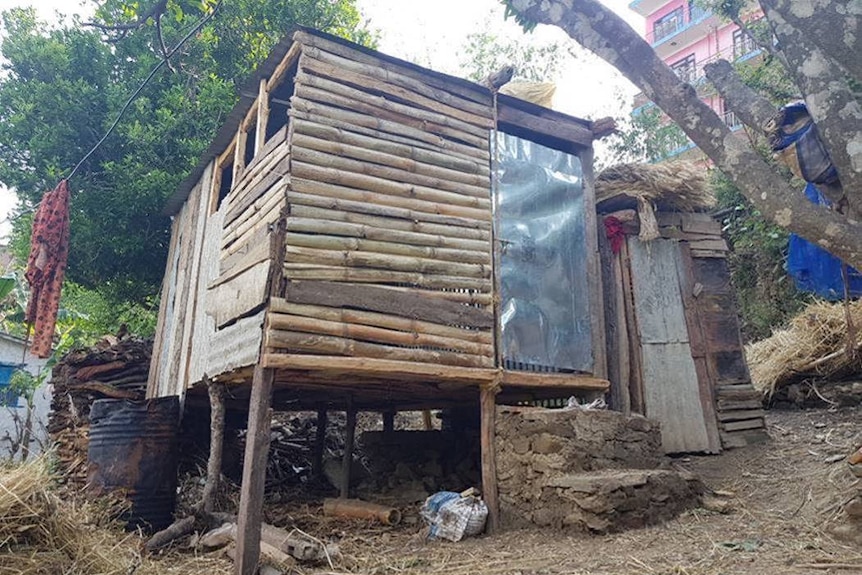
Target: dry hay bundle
(44,533)
(679,186)
(812,346)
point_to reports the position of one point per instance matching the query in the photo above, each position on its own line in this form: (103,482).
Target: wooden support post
(214,464)
(488,407)
(388,422)
(426,420)
(254,473)
(319,444)
(347,462)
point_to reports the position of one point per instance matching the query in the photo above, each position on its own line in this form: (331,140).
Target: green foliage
(486,52)
(62,86)
(766,295)
(649,136)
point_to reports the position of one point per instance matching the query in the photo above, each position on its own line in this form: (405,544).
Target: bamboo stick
(284,322)
(340,243)
(365,366)
(269,205)
(239,155)
(317,226)
(316,207)
(325,344)
(259,172)
(465,296)
(374,167)
(304,271)
(251,210)
(386,262)
(359,79)
(262,116)
(318,188)
(278,173)
(469,92)
(281,70)
(345,315)
(342,94)
(384,186)
(345,134)
(380,72)
(306,99)
(358,159)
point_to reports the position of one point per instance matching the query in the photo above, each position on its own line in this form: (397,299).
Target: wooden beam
(560,129)
(488,407)
(349,437)
(254,473)
(319,443)
(262,116)
(554,380)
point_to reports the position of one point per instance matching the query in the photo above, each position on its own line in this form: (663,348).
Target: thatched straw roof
(810,347)
(670,186)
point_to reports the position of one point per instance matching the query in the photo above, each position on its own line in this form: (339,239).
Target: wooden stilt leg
(214,464)
(426,420)
(388,421)
(319,444)
(487,403)
(347,462)
(254,473)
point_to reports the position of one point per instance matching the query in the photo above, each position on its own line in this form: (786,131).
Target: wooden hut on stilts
(368,235)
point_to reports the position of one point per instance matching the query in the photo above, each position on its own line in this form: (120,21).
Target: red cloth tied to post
(46,266)
(614,232)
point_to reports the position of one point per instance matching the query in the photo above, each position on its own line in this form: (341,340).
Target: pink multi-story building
(687,37)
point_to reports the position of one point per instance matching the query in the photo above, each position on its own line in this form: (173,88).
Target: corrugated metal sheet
(236,346)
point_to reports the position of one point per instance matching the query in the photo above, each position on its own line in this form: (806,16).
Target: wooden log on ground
(361,510)
(344,315)
(280,321)
(166,536)
(388,301)
(314,225)
(331,345)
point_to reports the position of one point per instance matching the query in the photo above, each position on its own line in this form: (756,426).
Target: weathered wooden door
(671,388)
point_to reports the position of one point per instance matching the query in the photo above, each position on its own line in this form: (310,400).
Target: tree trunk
(607,35)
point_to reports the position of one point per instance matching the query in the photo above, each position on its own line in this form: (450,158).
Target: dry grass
(678,186)
(812,345)
(44,533)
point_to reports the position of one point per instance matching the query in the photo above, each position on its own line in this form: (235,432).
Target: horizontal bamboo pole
(381,72)
(482,218)
(366,78)
(317,226)
(460,296)
(340,243)
(370,367)
(394,218)
(356,331)
(341,93)
(360,159)
(345,315)
(305,271)
(344,133)
(384,186)
(326,344)
(314,103)
(385,262)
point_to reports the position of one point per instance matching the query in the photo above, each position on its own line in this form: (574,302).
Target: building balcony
(646,7)
(683,27)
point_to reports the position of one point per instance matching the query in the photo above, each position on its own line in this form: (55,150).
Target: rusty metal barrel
(133,452)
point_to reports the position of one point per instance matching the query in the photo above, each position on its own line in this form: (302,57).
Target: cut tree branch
(830,102)
(608,36)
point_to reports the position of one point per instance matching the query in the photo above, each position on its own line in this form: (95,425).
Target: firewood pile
(113,368)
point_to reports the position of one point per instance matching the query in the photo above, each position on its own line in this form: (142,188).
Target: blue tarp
(813,269)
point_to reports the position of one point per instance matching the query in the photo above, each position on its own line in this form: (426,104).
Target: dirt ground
(785,500)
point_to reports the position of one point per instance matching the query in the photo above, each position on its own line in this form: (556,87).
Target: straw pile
(679,186)
(539,93)
(812,347)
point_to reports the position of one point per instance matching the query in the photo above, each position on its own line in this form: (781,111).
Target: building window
(667,24)
(742,44)
(685,69)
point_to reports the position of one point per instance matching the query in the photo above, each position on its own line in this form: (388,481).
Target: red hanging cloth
(615,233)
(46,266)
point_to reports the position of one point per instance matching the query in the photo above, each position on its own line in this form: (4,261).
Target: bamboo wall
(387,250)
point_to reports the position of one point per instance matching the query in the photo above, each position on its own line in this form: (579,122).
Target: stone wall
(586,470)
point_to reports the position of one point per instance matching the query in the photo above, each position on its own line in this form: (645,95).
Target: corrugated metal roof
(248,94)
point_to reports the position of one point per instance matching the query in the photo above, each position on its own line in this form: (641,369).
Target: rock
(546,443)
(716,504)
(854,508)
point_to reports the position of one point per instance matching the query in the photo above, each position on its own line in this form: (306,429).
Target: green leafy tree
(63,86)
(534,60)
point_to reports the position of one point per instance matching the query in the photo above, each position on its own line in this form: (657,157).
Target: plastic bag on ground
(453,517)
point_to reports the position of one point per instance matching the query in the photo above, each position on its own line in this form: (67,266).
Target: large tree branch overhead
(607,35)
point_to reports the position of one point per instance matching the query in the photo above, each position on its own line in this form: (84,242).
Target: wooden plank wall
(388,244)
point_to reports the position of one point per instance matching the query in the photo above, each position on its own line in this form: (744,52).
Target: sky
(433,34)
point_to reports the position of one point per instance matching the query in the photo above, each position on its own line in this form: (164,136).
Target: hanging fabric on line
(46,266)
